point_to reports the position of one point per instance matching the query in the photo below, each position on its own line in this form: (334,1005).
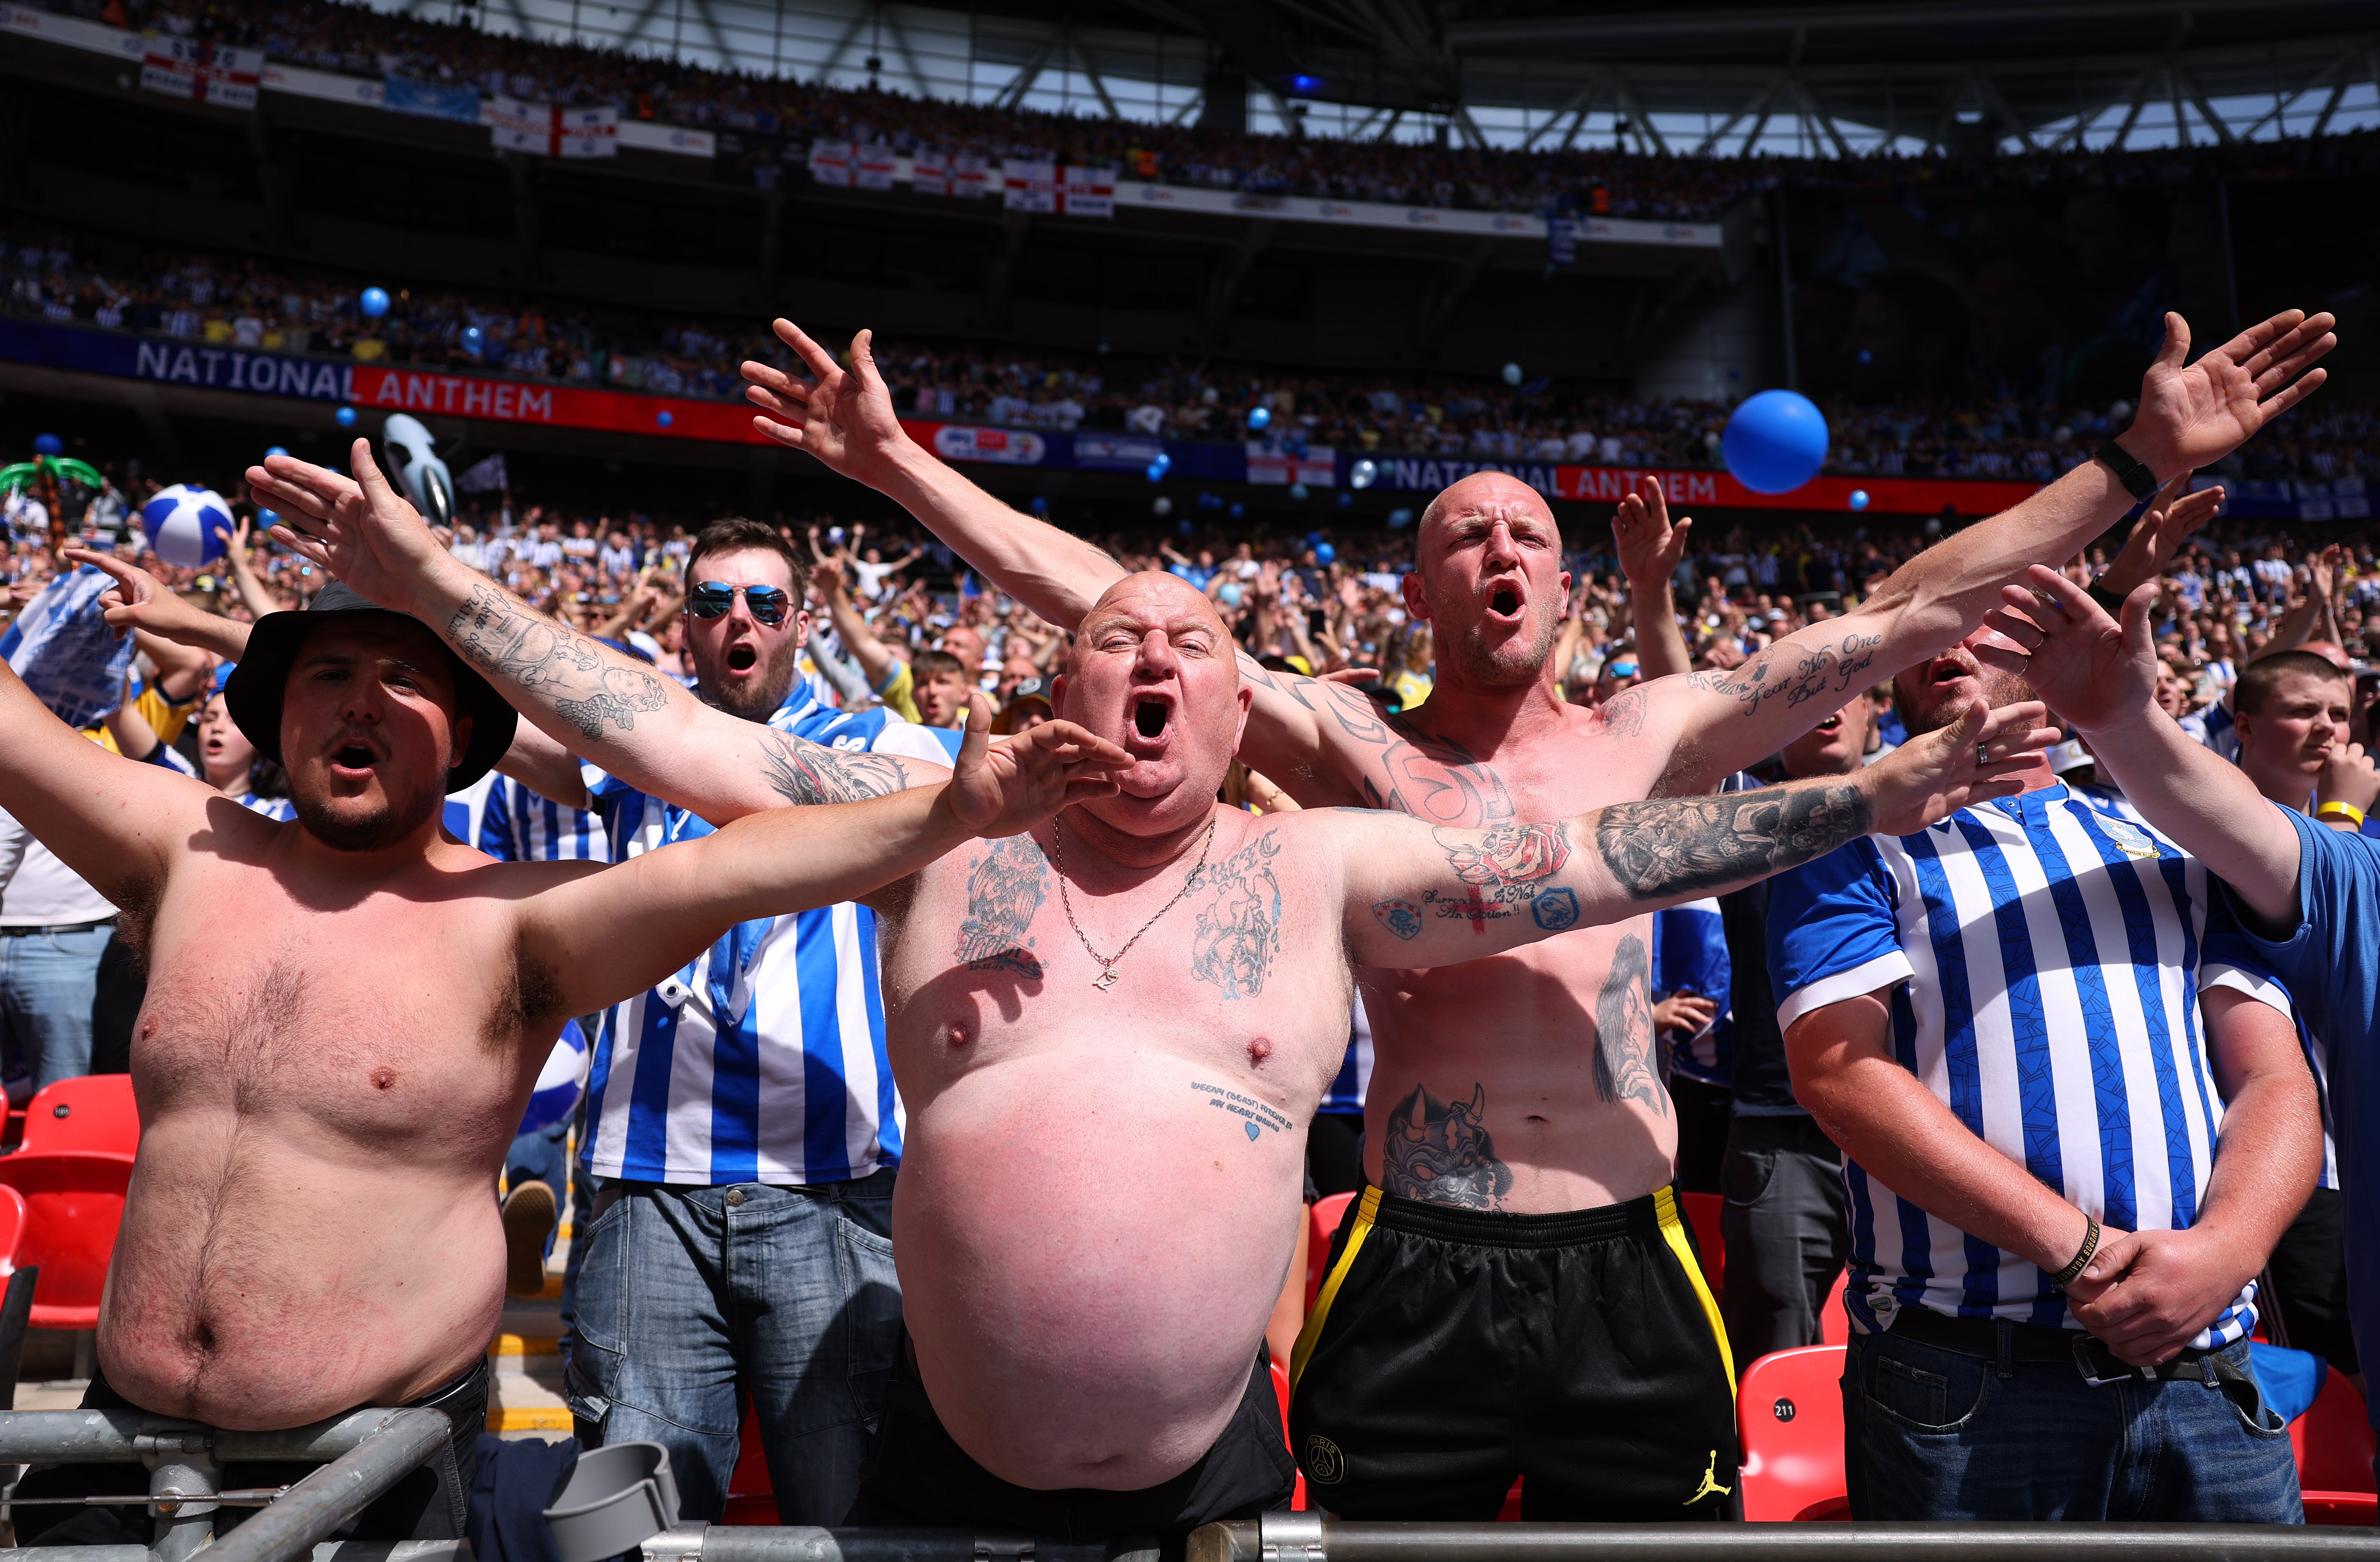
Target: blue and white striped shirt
(1355,1077)
(518,826)
(764,1060)
(2041,961)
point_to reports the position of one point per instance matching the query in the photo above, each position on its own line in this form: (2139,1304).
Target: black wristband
(2138,481)
(2082,1259)
(2106,598)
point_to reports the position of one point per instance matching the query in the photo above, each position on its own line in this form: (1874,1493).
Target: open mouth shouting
(743,657)
(353,758)
(1505,602)
(1152,722)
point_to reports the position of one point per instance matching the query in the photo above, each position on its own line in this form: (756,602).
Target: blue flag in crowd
(435,99)
(62,649)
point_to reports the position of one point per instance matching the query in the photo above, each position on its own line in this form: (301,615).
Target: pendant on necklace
(1105,979)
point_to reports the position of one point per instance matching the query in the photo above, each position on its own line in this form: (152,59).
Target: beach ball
(181,521)
(1776,441)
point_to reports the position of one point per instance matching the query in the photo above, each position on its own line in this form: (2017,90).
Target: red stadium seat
(1322,1219)
(751,1496)
(1281,1392)
(92,1112)
(2333,1443)
(12,1229)
(1702,1213)
(1790,1411)
(74,1202)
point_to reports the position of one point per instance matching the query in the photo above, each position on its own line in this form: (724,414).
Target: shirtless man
(1517,1118)
(347,1012)
(1110,1033)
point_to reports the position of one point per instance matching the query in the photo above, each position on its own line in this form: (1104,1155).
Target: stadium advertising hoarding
(1555,480)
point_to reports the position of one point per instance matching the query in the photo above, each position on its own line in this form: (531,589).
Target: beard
(757,699)
(1485,666)
(384,826)
(1999,688)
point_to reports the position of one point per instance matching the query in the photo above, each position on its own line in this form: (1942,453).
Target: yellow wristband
(2347,811)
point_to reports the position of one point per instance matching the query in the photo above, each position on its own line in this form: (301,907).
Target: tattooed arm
(586,697)
(1422,896)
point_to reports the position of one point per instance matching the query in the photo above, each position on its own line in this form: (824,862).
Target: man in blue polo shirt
(1997,1018)
(2306,892)
(742,1118)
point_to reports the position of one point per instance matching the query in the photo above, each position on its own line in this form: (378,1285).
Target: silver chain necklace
(1106,978)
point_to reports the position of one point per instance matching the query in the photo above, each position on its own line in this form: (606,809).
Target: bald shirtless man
(1110,1033)
(347,1012)
(1517,1119)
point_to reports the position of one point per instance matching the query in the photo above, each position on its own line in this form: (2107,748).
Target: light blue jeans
(1936,1433)
(46,984)
(684,1288)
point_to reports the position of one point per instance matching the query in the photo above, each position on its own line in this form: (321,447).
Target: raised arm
(140,602)
(592,700)
(115,821)
(2192,415)
(877,662)
(2102,677)
(1649,551)
(1421,896)
(847,418)
(599,937)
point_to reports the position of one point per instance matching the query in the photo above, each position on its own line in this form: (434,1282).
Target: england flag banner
(830,163)
(65,653)
(970,176)
(209,73)
(1090,192)
(1031,186)
(929,172)
(547,131)
(876,166)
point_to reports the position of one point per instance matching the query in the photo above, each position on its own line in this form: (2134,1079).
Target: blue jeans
(540,1155)
(685,1287)
(1936,1433)
(47,981)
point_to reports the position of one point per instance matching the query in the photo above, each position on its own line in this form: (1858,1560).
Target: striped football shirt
(764,1061)
(2040,957)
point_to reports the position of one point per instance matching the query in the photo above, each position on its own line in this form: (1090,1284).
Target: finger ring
(1983,754)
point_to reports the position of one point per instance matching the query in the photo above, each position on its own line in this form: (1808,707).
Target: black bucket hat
(254,692)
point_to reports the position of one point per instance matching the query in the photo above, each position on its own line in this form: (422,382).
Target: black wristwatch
(2138,481)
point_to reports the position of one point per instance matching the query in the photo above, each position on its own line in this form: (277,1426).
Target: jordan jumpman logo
(1710,1486)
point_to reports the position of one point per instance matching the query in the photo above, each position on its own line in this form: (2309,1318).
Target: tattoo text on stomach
(588,690)
(1254,1115)
(1676,845)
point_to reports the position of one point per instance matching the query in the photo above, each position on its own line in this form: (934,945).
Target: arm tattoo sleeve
(541,658)
(801,771)
(1677,847)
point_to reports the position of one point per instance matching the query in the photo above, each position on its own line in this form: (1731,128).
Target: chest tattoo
(1238,934)
(1440,1152)
(1623,1031)
(1005,886)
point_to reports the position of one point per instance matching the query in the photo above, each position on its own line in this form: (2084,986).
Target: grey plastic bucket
(617,1498)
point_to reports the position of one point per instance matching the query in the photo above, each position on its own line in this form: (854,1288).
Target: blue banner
(175,361)
(434,100)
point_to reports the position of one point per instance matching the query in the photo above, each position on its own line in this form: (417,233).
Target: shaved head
(1153,668)
(1482,489)
(1488,577)
(1150,593)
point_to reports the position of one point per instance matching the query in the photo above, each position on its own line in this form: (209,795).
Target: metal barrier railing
(364,1453)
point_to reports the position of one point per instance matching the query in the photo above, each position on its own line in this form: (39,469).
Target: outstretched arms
(1649,551)
(599,937)
(589,698)
(2192,415)
(1419,896)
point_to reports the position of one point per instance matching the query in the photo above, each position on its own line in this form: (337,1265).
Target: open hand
(2193,415)
(2092,670)
(358,529)
(1008,787)
(1983,754)
(2149,1293)
(1650,546)
(847,419)
(1690,1012)
(2169,521)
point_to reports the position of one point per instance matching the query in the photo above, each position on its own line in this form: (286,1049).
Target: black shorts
(1453,1350)
(431,1504)
(2309,1272)
(917,1474)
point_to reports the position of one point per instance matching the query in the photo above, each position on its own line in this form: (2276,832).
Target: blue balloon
(474,340)
(1298,492)
(48,444)
(665,418)
(1183,526)
(272,450)
(1324,553)
(1238,509)
(1400,519)
(345,416)
(1776,441)
(1158,466)
(1859,499)
(375,302)
(1346,499)
(267,519)
(1041,505)
(1259,418)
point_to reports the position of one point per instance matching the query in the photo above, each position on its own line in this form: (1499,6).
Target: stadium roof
(1714,77)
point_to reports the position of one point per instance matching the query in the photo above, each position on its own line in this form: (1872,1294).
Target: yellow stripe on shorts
(1307,1337)
(1673,1231)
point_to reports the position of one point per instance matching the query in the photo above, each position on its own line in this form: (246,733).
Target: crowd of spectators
(354,40)
(249,304)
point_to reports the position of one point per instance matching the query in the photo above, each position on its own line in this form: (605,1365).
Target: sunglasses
(711,598)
